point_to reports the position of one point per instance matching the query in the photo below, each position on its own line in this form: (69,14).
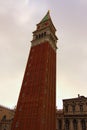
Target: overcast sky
(18,19)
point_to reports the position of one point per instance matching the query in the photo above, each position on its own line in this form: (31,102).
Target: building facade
(59,120)
(6,118)
(74,114)
(36,108)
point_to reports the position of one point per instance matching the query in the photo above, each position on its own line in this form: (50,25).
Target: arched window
(67,124)
(39,36)
(75,124)
(81,108)
(73,108)
(83,123)
(4,117)
(44,33)
(66,108)
(36,36)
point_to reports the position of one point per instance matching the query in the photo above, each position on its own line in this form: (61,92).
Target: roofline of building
(6,107)
(78,98)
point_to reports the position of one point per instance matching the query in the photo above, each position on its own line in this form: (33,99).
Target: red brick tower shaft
(36,108)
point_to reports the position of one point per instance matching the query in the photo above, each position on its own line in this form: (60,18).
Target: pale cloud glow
(18,20)
(84,2)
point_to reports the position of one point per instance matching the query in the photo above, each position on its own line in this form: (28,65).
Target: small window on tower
(44,33)
(39,35)
(36,36)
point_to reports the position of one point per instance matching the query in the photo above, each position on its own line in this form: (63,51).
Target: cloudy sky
(18,19)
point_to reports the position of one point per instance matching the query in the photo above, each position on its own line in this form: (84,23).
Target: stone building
(6,118)
(59,120)
(74,114)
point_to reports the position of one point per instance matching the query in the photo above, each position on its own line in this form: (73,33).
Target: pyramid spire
(46,17)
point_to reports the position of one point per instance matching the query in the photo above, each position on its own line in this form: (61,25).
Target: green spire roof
(46,17)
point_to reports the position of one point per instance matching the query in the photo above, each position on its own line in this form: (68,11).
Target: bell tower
(36,108)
